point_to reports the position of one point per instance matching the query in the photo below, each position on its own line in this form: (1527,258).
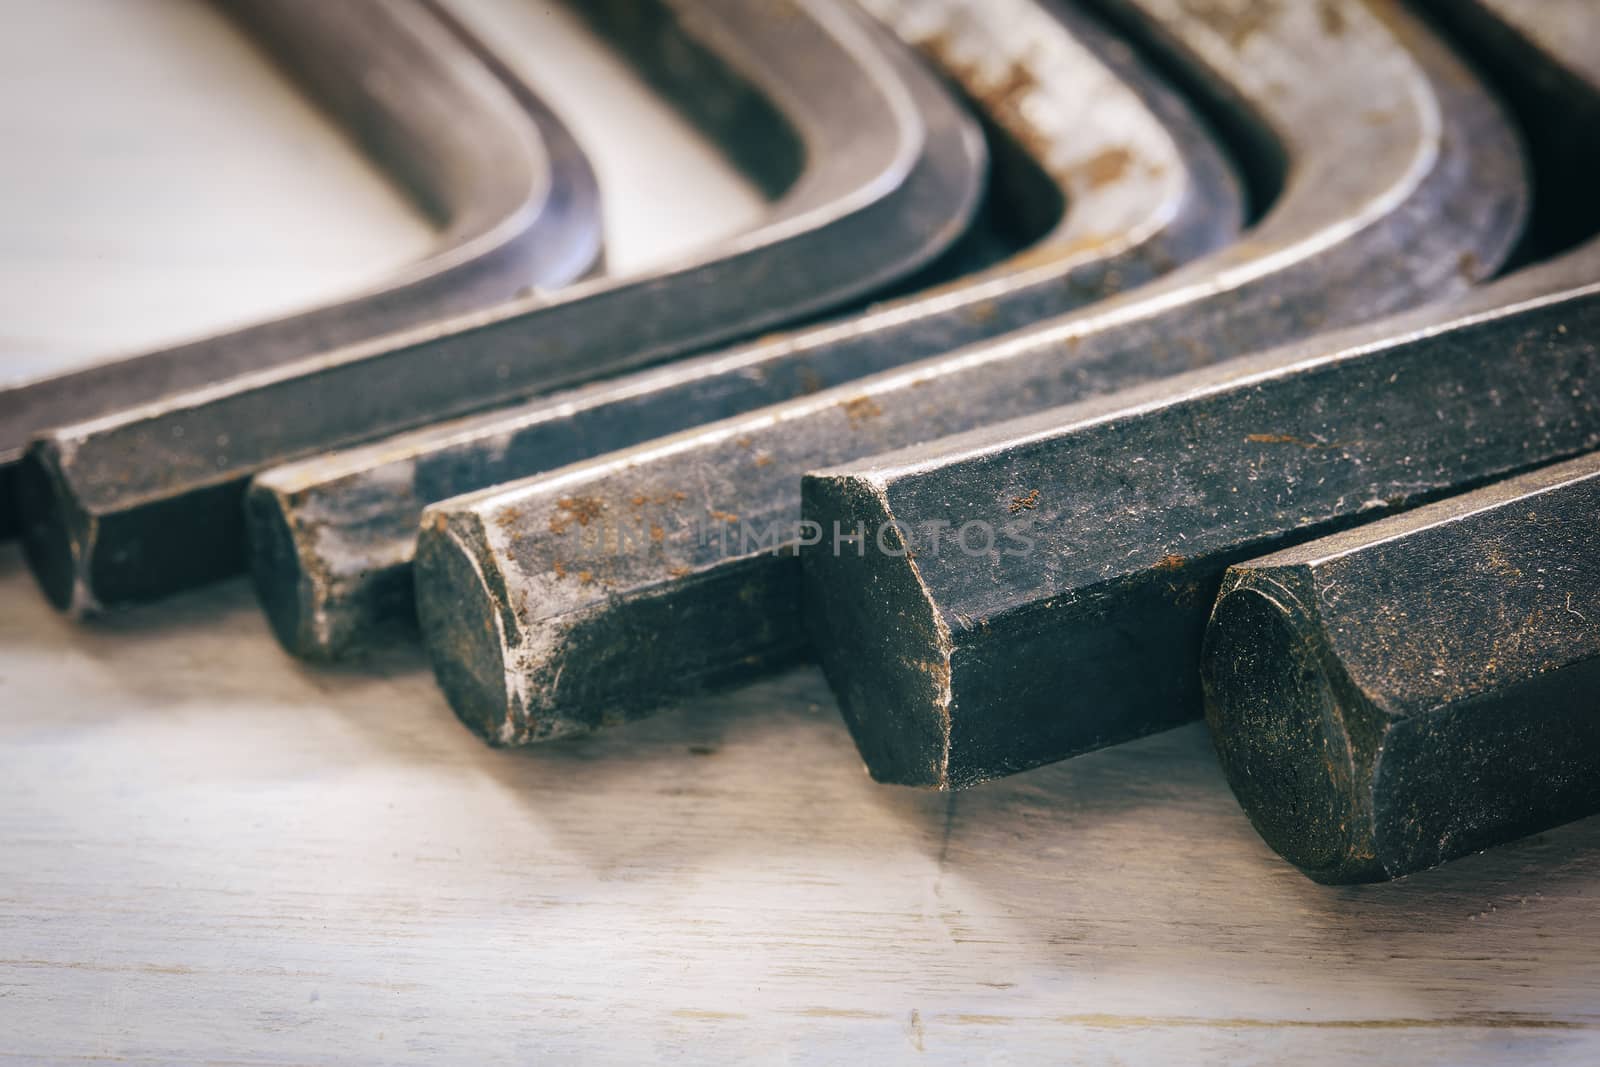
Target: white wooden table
(209,853)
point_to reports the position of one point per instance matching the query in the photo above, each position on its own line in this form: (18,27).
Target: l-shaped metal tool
(1399,694)
(514,198)
(1110,164)
(536,630)
(886,169)
(1062,608)
(1114,520)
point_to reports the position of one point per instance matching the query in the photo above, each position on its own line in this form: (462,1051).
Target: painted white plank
(208,852)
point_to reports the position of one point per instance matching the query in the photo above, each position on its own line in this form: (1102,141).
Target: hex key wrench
(148,501)
(1482,636)
(511,191)
(1404,693)
(537,628)
(1113,521)
(1063,606)
(1143,189)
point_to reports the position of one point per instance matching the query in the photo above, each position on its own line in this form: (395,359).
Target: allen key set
(1137,362)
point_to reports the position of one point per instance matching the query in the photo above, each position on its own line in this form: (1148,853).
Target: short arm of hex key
(1144,189)
(1112,522)
(1536,52)
(1017,596)
(513,193)
(140,504)
(1407,692)
(537,630)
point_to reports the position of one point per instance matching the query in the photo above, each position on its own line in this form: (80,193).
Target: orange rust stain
(861,408)
(585,577)
(560,569)
(1237,23)
(1001,97)
(1104,168)
(657,533)
(1170,562)
(723,516)
(763,459)
(1282,439)
(1020,504)
(680,572)
(575,509)
(640,500)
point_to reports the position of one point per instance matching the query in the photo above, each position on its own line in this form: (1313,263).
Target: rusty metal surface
(1090,633)
(1401,694)
(511,192)
(1063,608)
(878,169)
(537,631)
(1111,166)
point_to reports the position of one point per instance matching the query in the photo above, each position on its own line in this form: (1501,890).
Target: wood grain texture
(208,853)
(211,854)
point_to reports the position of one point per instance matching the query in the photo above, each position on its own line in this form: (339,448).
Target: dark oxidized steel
(1407,692)
(1091,633)
(1061,569)
(538,627)
(1111,167)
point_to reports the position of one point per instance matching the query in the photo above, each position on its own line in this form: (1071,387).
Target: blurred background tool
(491,167)
(873,167)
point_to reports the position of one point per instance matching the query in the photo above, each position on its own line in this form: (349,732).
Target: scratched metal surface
(211,854)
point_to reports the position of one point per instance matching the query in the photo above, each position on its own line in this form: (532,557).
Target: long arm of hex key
(537,628)
(513,193)
(1143,189)
(1017,597)
(148,501)
(1400,694)
(1112,522)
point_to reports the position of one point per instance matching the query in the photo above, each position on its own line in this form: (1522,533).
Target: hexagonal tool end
(1290,718)
(87,559)
(1404,693)
(326,602)
(284,584)
(10,519)
(540,649)
(470,633)
(923,635)
(56,533)
(893,682)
